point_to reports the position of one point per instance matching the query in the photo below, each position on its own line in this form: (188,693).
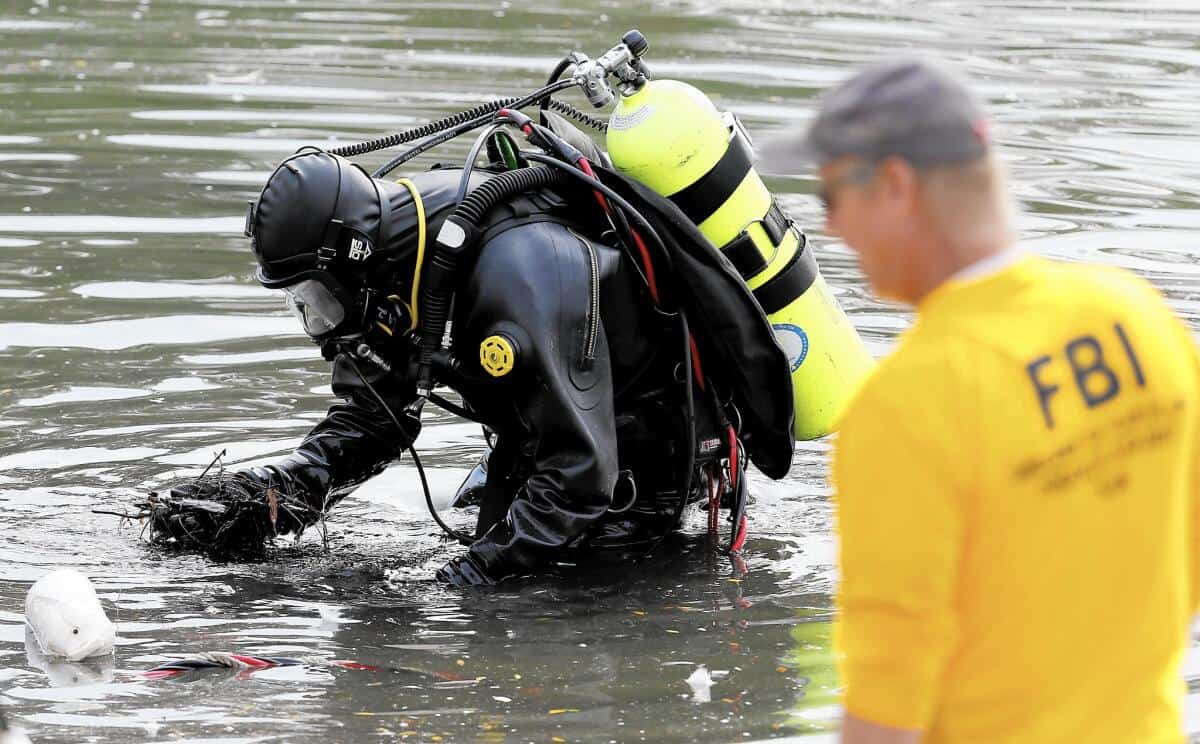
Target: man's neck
(990,264)
(951,261)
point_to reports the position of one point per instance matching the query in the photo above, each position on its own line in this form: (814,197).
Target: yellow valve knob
(497,356)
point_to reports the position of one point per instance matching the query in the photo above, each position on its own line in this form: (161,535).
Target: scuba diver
(620,364)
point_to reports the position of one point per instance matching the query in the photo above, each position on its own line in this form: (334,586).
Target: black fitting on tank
(456,241)
(636,41)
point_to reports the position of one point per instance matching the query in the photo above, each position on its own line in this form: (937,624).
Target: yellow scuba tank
(670,137)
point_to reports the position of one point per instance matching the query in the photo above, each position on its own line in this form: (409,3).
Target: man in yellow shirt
(1017,483)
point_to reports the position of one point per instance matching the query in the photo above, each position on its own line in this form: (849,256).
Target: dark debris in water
(226,517)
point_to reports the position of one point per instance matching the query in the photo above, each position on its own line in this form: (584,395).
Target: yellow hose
(416,283)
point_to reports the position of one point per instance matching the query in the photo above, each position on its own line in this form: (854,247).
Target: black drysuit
(592,407)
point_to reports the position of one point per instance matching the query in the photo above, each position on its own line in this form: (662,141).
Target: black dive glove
(463,572)
(232,513)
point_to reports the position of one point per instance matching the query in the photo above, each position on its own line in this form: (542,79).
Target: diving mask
(318,309)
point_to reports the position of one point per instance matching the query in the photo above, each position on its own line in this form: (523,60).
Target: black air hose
(455,240)
(627,209)
(454,131)
(409,135)
(555,74)
(433,127)
(570,111)
(483,199)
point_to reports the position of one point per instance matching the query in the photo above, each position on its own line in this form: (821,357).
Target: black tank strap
(744,255)
(710,191)
(776,223)
(791,282)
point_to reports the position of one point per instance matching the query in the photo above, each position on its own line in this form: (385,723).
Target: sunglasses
(859,174)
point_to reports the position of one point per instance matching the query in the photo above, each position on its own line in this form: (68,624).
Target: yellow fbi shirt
(1016,493)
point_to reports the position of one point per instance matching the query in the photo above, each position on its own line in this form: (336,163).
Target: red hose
(696,362)
(733,457)
(740,540)
(734,469)
(647,265)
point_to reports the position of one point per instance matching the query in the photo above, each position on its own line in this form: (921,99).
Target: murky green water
(134,344)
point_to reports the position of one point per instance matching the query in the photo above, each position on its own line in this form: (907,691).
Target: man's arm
(900,528)
(1195,504)
(239,511)
(356,440)
(1184,334)
(1195,603)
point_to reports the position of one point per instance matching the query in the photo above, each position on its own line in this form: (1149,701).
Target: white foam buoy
(701,683)
(66,617)
(63,673)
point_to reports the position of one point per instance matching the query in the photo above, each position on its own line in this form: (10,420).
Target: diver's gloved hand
(230,513)
(463,572)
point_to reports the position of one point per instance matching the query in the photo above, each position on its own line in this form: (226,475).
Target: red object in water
(740,540)
(162,673)
(253,661)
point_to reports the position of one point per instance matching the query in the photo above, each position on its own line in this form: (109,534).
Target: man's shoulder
(1086,292)
(915,406)
(1098,282)
(918,372)
(1039,301)
(924,352)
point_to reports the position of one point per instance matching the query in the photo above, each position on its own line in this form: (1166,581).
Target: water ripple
(32,224)
(172,330)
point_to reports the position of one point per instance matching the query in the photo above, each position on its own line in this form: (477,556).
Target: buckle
(251,218)
(328,250)
(776,223)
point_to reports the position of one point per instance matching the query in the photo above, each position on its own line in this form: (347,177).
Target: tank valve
(622,61)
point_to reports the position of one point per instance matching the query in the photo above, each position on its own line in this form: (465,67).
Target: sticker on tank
(794,341)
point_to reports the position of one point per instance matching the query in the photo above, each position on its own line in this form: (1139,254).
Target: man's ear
(897,182)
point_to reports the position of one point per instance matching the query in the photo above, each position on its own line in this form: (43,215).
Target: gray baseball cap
(910,108)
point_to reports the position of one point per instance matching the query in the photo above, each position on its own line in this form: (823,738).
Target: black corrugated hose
(441,269)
